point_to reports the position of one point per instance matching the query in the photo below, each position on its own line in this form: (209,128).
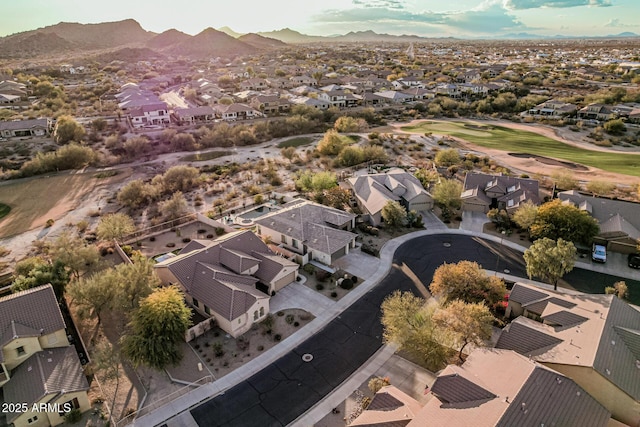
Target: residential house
(592,339)
(279,83)
(468,76)
(388,407)
(395,97)
(221,278)
(233,112)
(26,128)
(373,191)
(303,80)
(501,388)
(270,104)
(369,98)
(406,82)
(552,108)
(192,116)
(311,102)
(339,98)
(448,89)
(9,101)
(149,114)
(254,84)
(37,364)
(619,220)
(8,87)
(483,192)
(312,231)
(599,112)
(418,93)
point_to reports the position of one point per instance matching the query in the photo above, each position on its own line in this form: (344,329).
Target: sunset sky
(458,18)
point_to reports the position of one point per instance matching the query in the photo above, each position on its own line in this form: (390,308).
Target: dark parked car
(634,260)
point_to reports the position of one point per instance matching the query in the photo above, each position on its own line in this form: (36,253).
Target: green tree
(615,127)
(448,157)
(557,220)
(550,260)
(565,180)
(136,193)
(67,130)
(74,253)
(408,322)
(175,207)
(427,177)
(134,282)
(351,156)
(36,272)
(180,178)
(500,218)
(394,214)
(525,215)
(465,323)
(337,197)
(183,142)
(447,194)
(350,124)
(156,329)
(331,143)
(466,281)
(115,226)
(93,295)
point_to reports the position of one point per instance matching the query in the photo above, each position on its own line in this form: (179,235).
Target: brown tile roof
(454,389)
(55,370)
(30,312)
(383,402)
(525,340)
(564,319)
(525,294)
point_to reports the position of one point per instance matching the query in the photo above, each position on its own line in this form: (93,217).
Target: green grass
(350,139)
(519,141)
(4,210)
(201,157)
(295,142)
(106,174)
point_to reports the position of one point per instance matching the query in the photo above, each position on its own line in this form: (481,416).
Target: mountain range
(68,39)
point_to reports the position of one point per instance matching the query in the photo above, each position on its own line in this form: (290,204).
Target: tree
(67,129)
(134,282)
(557,220)
(115,226)
(466,281)
(183,142)
(500,218)
(106,362)
(427,177)
(337,197)
(615,127)
(599,188)
(319,181)
(550,260)
(93,295)
(376,383)
(136,194)
(175,207)
(619,289)
(525,215)
(465,323)
(74,253)
(394,214)
(180,178)
(408,322)
(447,194)
(36,271)
(351,156)
(565,181)
(350,124)
(331,143)
(448,157)
(156,329)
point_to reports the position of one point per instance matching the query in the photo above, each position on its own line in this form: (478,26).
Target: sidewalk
(324,316)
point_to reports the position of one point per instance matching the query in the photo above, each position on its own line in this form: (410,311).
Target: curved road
(286,389)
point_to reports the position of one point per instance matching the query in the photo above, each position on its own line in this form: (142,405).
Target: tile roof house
(502,388)
(26,128)
(219,278)
(373,191)
(194,115)
(389,407)
(619,220)
(551,108)
(236,111)
(312,231)
(482,192)
(593,339)
(37,364)
(270,104)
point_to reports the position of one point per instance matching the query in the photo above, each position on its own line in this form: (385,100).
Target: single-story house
(373,191)
(236,112)
(310,230)
(592,339)
(221,278)
(483,192)
(194,115)
(26,128)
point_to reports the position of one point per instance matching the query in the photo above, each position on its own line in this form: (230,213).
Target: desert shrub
(347,284)
(289,319)
(73,416)
(308,268)
(171,245)
(186,240)
(152,239)
(220,231)
(334,294)
(354,279)
(319,286)
(218,351)
(277,337)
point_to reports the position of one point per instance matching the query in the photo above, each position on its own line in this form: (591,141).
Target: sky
(435,18)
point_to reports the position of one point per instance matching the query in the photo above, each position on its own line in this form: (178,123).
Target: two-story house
(150,114)
(482,192)
(37,364)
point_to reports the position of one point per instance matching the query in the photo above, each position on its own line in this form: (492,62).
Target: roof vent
(558,380)
(578,393)
(613,342)
(49,360)
(29,369)
(607,371)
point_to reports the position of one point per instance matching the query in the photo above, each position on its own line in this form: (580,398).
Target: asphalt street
(286,389)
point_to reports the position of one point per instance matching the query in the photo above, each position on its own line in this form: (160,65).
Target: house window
(69,405)
(161,113)
(294,243)
(261,311)
(255,315)
(207,310)
(283,238)
(20,350)
(32,419)
(196,303)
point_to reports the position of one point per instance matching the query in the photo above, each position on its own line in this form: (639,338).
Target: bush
(308,268)
(334,294)
(277,337)
(220,231)
(152,239)
(347,284)
(73,416)
(319,286)
(260,347)
(186,240)
(171,245)
(218,351)
(296,324)
(49,223)
(354,279)
(289,319)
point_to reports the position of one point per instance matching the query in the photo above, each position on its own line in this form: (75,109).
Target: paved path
(240,375)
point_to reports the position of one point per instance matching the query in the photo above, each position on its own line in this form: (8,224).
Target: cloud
(389,15)
(615,23)
(535,4)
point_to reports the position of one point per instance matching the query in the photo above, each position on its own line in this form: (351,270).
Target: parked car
(634,260)
(599,253)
